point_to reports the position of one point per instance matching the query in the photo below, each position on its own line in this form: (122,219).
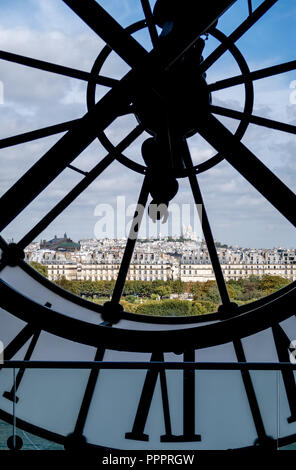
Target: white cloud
(35,99)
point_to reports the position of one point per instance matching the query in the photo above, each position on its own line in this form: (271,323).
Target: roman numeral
(282,343)
(89,391)
(76,439)
(148,390)
(263,439)
(10,351)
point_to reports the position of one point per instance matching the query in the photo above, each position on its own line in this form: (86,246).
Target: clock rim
(276,308)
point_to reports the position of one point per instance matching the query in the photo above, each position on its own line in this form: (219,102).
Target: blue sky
(48,30)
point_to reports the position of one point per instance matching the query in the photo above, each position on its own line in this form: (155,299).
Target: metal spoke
(250,7)
(77,170)
(77,190)
(249,166)
(237,33)
(260,121)
(128,110)
(250,392)
(150,23)
(126,46)
(185,43)
(130,245)
(84,132)
(3,246)
(3,243)
(88,395)
(55,160)
(38,134)
(109,30)
(255,75)
(55,68)
(206,228)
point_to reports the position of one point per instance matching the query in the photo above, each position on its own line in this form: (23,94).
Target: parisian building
(165,259)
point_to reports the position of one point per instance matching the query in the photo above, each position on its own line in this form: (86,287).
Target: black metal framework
(155,365)
(81,132)
(153,368)
(194,336)
(149,75)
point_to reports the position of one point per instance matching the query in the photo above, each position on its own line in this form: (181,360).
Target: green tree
(273,283)
(71,286)
(165,308)
(177,287)
(163,291)
(41,268)
(206,294)
(203,307)
(130,298)
(129,307)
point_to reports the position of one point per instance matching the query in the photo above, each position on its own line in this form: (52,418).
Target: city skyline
(159,237)
(186,234)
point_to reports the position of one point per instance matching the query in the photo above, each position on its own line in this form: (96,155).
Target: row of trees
(206,297)
(154,294)
(170,307)
(138,288)
(241,290)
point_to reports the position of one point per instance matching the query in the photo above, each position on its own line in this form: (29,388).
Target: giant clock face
(155,409)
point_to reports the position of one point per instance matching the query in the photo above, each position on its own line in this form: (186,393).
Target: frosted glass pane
(51,399)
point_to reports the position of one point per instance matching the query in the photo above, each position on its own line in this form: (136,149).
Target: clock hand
(156,155)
